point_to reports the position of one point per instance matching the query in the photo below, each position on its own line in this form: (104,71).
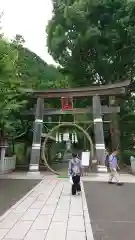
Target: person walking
(74,171)
(107,159)
(113,165)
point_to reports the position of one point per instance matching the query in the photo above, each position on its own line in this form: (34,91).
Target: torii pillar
(99,134)
(36,145)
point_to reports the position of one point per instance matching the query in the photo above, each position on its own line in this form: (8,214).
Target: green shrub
(19,152)
(125,156)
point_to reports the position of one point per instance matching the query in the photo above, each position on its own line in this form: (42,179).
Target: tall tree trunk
(2,148)
(114,125)
(2,157)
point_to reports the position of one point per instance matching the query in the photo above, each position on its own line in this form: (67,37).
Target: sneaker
(110,182)
(120,184)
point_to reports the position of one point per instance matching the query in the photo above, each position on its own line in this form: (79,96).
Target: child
(75,172)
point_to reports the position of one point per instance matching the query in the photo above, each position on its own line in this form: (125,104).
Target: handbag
(70,179)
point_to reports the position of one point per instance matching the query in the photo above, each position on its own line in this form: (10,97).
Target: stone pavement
(12,190)
(111,209)
(48,212)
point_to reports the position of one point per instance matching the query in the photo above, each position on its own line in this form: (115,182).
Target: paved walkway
(48,212)
(111,210)
(12,190)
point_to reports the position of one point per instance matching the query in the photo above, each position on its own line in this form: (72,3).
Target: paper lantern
(57,137)
(65,136)
(60,138)
(76,140)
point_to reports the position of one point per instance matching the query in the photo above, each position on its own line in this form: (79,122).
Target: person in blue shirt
(113,165)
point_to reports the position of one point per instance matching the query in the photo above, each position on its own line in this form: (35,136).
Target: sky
(28,18)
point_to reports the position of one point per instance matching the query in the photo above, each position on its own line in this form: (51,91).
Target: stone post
(36,145)
(99,134)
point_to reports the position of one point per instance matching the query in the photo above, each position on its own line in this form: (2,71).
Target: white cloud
(28,18)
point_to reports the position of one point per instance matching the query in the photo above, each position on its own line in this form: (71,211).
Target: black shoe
(120,184)
(110,182)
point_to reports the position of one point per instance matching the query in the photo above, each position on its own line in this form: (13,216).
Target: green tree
(37,74)
(1,33)
(10,84)
(20,69)
(93,40)
(34,70)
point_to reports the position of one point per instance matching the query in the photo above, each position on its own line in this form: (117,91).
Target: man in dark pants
(75,173)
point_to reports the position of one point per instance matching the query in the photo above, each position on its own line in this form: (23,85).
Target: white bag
(70,179)
(132,158)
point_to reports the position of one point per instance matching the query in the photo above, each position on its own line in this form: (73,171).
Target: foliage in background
(34,71)
(10,85)
(94,41)
(21,69)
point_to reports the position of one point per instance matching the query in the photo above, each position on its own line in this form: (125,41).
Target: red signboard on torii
(66,103)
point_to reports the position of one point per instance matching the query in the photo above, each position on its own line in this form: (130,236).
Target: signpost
(85,159)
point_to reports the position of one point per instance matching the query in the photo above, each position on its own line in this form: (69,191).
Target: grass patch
(62,176)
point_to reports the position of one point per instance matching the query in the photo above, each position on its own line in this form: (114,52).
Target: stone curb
(87,223)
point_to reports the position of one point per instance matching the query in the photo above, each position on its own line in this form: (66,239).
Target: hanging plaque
(66,103)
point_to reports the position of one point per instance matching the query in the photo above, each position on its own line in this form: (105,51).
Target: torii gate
(95,92)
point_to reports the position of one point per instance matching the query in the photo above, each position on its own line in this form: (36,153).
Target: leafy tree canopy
(10,84)
(20,69)
(35,71)
(94,40)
